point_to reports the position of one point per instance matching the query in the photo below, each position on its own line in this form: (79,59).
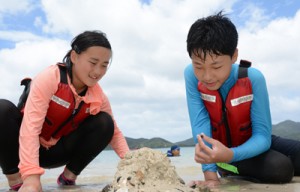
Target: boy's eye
(198,66)
(94,63)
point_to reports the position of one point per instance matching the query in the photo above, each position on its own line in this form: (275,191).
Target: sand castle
(147,170)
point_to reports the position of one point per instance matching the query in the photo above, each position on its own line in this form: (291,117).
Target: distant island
(287,129)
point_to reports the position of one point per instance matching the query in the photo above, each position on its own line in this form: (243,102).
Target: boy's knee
(281,170)
(296,162)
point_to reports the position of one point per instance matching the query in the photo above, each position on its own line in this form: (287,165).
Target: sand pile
(147,170)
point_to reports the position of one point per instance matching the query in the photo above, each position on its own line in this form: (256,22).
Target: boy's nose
(207,75)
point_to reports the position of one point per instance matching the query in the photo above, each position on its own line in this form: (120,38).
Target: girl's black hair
(82,42)
(214,34)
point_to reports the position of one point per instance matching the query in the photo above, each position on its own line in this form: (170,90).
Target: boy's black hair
(214,34)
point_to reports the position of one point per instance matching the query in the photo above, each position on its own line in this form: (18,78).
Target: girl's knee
(10,116)
(105,118)
(102,124)
(5,106)
(105,121)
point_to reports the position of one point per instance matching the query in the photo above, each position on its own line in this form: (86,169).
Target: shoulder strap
(243,68)
(22,100)
(63,73)
(27,82)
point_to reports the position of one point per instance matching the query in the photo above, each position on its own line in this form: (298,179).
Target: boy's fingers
(202,145)
(206,138)
(200,141)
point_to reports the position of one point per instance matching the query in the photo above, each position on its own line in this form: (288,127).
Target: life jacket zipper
(71,117)
(225,120)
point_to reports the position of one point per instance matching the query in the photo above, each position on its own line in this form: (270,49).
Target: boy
(229,110)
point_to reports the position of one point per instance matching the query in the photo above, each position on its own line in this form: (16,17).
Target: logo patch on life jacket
(87,110)
(210,98)
(60,101)
(240,100)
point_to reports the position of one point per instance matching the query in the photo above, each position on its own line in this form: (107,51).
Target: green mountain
(186,143)
(151,143)
(288,129)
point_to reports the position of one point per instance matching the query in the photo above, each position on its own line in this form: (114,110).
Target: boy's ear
(235,55)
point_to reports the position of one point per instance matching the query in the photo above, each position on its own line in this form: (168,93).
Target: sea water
(104,166)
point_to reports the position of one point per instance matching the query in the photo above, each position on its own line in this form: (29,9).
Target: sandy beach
(168,168)
(231,185)
(96,184)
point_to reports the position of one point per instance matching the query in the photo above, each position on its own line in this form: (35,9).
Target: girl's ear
(73,56)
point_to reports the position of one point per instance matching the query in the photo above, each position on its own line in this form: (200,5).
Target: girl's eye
(93,63)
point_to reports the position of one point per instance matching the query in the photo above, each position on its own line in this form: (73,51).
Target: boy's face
(214,70)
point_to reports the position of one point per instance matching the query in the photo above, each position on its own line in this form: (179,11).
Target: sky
(145,82)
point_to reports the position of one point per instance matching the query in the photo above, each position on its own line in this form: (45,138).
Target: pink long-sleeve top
(43,87)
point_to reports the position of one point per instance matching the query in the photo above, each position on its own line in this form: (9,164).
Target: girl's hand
(217,153)
(31,184)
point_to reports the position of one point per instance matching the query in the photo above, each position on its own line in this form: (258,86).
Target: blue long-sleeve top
(260,141)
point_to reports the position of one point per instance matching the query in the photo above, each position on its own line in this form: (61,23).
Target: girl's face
(214,70)
(89,66)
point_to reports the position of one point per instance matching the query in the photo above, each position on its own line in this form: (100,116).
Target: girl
(65,120)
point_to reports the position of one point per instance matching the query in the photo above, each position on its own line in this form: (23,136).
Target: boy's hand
(211,181)
(209,184)
(207,155)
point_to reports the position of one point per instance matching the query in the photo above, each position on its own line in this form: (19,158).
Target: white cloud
(13,7)
(287,106)
(26,60)
(18,36)
(274,50)
(145,81)
(256,16)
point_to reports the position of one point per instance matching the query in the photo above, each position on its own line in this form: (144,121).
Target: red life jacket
(62,118)
(230,121)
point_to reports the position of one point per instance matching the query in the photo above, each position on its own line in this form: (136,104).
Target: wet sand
(230,185)
(235,185)
(96,184)
(187,174)
(227,185)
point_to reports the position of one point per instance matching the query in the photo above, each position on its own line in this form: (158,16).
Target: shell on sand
(146,169)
